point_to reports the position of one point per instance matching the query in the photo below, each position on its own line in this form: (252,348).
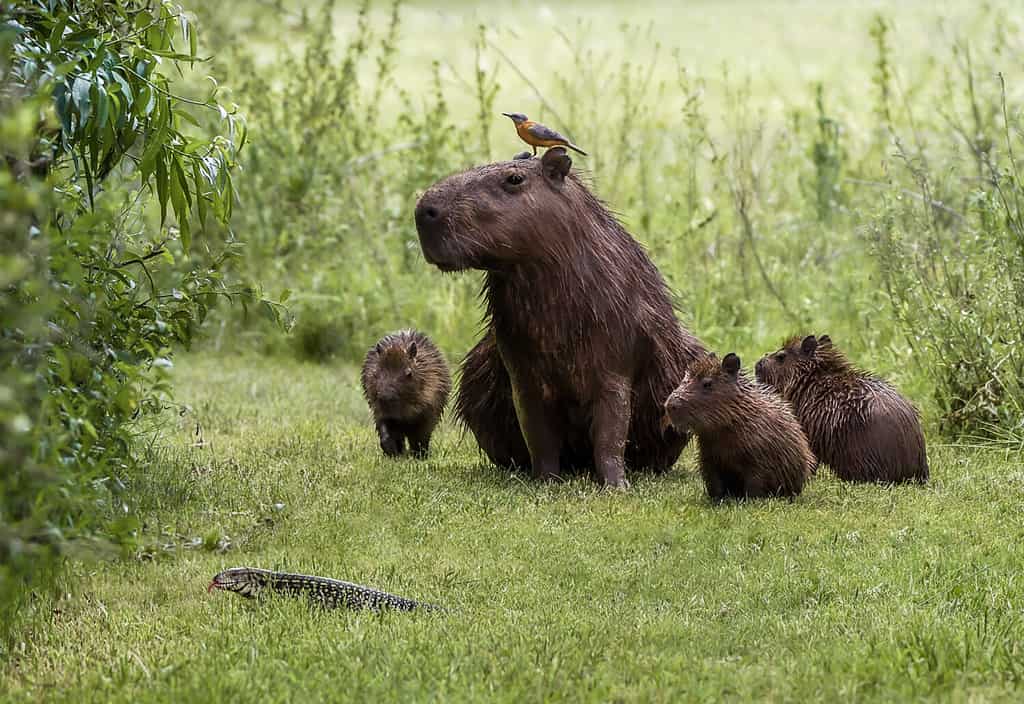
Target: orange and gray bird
(538,135)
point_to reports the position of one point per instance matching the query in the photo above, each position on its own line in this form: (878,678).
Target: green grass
(559,592)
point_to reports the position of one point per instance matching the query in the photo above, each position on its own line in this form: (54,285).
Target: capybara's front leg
(419,439)
(610,429)
(541,435)
(714,484)
(391,440)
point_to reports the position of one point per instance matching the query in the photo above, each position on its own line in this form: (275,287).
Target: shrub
(96,287)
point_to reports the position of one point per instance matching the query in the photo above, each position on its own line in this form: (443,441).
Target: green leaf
(161,184)
(179,173)
(180,200)
(80,95)
(143,19)
(61,365)
(175,55)
(60,100)
(200,192)
(123,84)
(187,117)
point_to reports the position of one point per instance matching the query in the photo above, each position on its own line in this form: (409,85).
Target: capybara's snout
(428,215)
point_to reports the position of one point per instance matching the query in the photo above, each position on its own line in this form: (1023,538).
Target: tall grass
(889,219)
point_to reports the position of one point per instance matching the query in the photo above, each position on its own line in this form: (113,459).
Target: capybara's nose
(427,215)
(759,367)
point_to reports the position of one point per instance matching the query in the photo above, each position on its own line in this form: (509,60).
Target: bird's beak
(213,585)
(507,115)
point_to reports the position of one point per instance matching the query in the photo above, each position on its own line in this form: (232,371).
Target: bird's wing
(541,132)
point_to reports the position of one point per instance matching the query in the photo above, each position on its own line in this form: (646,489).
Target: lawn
(556,591)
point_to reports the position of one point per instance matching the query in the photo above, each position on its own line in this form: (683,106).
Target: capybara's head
(705,400)
(396,375)
(497,215)
(796,358)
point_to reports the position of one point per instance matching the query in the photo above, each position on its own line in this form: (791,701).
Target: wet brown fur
(406,382)
(751,444)
(579,321)
(857,424)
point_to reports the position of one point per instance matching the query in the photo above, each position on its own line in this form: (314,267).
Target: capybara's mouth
(445,264)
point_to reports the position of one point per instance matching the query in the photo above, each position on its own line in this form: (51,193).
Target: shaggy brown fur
(751,445)
(582,345)
(406,382)
(857,423)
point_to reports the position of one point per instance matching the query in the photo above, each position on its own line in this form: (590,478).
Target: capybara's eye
(514,179)
(707,384)
(780,357)
(408,373)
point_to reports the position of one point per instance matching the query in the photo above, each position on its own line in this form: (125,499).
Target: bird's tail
(575,148)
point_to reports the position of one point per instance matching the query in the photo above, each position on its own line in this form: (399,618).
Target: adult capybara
(582,345)
(751,444)
(857,423)
(406,382)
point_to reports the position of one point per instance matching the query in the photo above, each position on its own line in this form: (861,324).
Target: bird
(538,135)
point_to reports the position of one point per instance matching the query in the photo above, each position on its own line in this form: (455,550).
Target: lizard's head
(247,581)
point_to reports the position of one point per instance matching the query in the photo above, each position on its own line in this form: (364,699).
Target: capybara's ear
(556,164)
(809,344)
(824,341)
(731,364)
(522,155)
(412,350)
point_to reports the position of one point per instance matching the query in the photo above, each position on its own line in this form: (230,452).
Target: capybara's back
(858,424)
(406,382)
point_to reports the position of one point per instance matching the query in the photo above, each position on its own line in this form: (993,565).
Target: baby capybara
(406,382)
(581,345)
(857,423)
(751,444)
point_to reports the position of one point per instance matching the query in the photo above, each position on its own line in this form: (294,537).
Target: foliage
(764,223)
(954,273)
(339,177)
(96,288)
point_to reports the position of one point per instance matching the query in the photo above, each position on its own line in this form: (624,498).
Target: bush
(96,288)
(949,242)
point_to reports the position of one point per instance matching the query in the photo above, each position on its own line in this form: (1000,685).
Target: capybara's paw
(391,447)
(548,475)
(619,483)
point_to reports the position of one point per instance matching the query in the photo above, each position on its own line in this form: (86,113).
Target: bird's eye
(514,179)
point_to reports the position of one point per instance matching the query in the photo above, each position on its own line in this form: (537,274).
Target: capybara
(751,444)
(857,423)
(406,382)
(582,345)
